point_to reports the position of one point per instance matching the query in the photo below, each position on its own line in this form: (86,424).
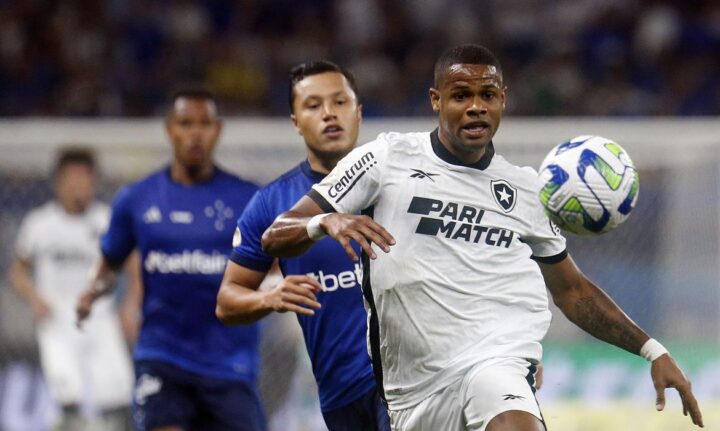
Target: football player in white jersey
(457,303)
(55,250)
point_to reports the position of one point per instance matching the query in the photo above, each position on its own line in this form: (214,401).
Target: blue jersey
(184,234)
(335,335)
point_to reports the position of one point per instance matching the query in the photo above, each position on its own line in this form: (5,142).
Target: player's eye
(459,96)
(340,102)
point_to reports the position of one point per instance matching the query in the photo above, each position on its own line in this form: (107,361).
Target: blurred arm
(20,278)
(129,310)
(102,281)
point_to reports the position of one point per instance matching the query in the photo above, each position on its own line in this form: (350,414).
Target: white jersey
(460,286)
(91,366)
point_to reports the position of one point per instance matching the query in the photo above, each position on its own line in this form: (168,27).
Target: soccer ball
(590,185)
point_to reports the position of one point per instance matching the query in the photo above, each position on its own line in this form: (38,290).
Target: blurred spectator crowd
(568,57)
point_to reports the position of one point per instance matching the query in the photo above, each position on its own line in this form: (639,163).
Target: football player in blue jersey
(192,372)
(323,286)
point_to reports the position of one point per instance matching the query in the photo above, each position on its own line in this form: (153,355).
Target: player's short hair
(302,71)
(465,54)
(74,156)
(192,92)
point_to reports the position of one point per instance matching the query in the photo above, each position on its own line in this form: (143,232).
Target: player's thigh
(162,397)
(110,366)
(440,411)
(228,406)
(60,361)
(367,413)
(500,395)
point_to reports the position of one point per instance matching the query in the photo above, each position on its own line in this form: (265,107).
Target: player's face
(327,114)
(193,128)
(469,100)
(75,186)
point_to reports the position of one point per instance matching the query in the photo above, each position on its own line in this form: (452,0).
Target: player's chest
(194,221)
(430,193)
(70,242)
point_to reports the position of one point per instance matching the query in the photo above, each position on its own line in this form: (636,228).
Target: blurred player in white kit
(89,372)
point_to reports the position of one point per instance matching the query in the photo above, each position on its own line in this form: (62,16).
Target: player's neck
(322,165)
(189,175)
(73,208)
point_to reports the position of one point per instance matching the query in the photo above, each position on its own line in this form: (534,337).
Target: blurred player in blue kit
(323,286)
(458,301)
(192,372)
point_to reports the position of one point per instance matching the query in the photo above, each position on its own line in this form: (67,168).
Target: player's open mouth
(476,129)
(333,131)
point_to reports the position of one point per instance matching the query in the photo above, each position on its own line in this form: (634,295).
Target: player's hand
(40,309)
(666,374)
(295,293)
(84,306)
(361,229)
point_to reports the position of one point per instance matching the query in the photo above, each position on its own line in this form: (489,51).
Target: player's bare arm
(102,280)
(288,235)
(594,311)
(240,302)
(21,279)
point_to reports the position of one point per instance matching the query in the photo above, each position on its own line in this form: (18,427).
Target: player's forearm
(287,236)
(21,281)
(595,312)
(238,305)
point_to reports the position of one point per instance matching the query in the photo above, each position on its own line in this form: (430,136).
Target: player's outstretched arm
(102,280)
(594,311)
(239,300)
(294,231)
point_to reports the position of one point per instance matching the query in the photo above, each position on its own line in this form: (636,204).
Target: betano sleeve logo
(351,176)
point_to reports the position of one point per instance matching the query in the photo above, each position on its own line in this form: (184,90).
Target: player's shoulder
(398,143)
(525,176)
(290,177)
(234,180)
(43,212)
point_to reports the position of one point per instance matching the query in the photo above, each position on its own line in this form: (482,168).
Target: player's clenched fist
(295,293)
(361,229)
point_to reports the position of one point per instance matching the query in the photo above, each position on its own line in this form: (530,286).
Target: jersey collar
(307,170)
(448,157)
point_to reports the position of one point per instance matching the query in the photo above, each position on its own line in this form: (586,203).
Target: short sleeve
(355,182)
(546,240)
(26,242)
(247,241)
(119,240)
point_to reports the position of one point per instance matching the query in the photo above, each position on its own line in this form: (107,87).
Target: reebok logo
(345,279)
(422,174)
(351,176)
(457,221)
(507,397)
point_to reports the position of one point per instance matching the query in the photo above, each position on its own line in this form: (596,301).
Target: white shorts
(470,403)
(90,367)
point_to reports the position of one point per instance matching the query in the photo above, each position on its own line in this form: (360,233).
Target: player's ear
(503,95)
(359,113)
(294,120)
(434,99)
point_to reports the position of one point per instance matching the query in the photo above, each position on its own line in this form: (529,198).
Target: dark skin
(469,100)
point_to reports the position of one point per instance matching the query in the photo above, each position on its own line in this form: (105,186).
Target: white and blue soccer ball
(590,185)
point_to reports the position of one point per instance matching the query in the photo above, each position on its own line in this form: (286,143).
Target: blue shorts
(166,395)
(367,413)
